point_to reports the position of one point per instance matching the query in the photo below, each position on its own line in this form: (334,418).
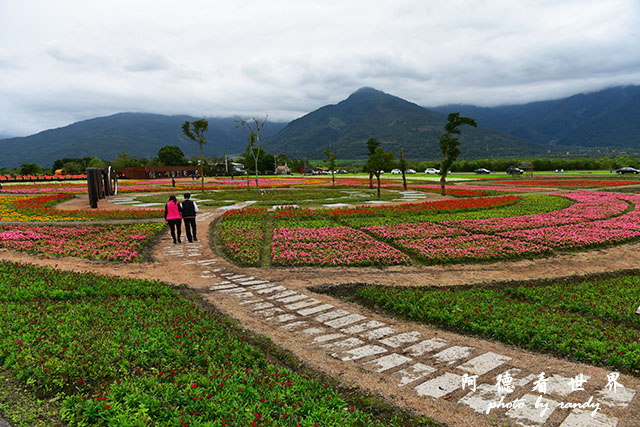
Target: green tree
(125,160)
(372,144)
(253,129)
(331,158)
(449,145)
(97,163)
(171,155)
(195,132)
(379,161)
(30,169)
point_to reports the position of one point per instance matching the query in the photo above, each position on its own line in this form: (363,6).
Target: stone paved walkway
(421,363)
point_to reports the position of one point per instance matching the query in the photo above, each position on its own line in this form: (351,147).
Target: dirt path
(413,366)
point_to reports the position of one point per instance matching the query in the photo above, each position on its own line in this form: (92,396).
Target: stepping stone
(344,321)
(251,301)
(231,290)
(398,340)
(237,276)
(425,346)
(282,294)
(261,305)
(518,382)
(207,261)
(580,418)
(483,399)
(484,363)
(270,290)
(283,318)
(265,285)
(412,374)
(344,344)
(453,354)
(362,327)
(622,396)
(245,279)
(331,315)
(440,386)
(314,310)
(328,337)
(295,325)
(225,282)
(243,295)
(313,331)
(302,304)
(254,282)
(528,413)
(194,254)
(557,384)
(378,333)
(388,362)
(292,298)
(359,353)
(270,312)
(219,287)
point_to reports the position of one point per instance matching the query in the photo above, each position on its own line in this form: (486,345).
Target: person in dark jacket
(173,215)
(189,211)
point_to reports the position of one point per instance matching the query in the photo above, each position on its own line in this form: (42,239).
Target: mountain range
(607,121)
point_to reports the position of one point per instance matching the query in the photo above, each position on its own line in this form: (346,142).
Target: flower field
(121,243)
(331,246)
(451,231)
(41,208)
(111,351)
(242,236)
(590,321)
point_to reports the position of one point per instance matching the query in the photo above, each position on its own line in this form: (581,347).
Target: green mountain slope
(138,134)
(607,118)
(346,126)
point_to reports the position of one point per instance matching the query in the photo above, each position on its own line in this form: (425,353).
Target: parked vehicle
(514,171)
(411,171)
(627,170)
(431,171)
(396,171)
(482,171)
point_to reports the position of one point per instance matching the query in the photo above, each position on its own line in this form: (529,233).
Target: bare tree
(195,131)
(253,129)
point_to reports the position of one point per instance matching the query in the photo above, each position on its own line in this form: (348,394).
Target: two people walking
(175,213)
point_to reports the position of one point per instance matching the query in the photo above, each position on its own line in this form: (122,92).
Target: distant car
(341,171)
(412,171)
(430,171)
(628,170)
(514,171)
(482,171)
(396,171)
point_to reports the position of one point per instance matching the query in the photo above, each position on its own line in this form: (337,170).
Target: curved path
(413,366)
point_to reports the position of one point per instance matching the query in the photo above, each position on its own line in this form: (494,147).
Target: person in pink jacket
(173,215)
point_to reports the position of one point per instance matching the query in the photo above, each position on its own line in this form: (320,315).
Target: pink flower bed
(589,206)
(113,243)
(412,231)
(328,246)
(470,247)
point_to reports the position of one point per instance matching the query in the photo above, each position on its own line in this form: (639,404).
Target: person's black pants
(190,229)
(173,224)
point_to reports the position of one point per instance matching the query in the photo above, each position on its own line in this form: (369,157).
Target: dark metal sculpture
(101,182)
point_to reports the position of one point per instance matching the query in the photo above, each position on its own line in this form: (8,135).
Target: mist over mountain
(345,127)
(605,119)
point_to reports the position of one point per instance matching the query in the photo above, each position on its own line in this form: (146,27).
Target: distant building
(283,170)
(154,172)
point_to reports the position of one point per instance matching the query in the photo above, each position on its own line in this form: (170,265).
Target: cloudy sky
(67,60)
